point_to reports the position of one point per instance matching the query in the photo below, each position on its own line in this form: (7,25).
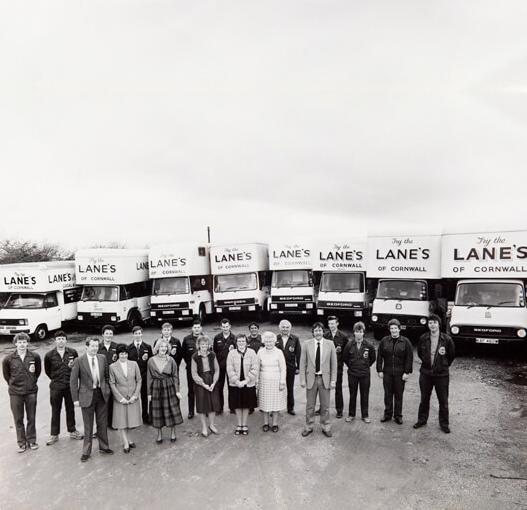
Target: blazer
(328,363)
(125,386)
(141,357)
(292,350)
(251,367)
(81,381)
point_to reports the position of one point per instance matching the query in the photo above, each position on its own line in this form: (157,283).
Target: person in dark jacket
(57,365)
(359,355)
(290,345)
(141,352)
(395,359)
(436,351)
(21,370)
(188,349)
(175,348)
(222,344)
(340,340)
(254,340)
(109,348)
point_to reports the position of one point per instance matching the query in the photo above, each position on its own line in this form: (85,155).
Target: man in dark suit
(290,345)
(109,348)
(340,340)
(222,344)
(90,390)
(141,352)
(188,348)
(175,352)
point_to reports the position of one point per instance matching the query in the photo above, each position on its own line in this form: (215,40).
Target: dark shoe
(107,451)
(399,421)
(245,430)
(291,412)
(22,448)
(219,412)
(339,415)
(265,428)
(94,435)
(445,429)
(419,424)
(190,415)
(159,440)
(126,450)
(232,411)
(84,457)
(275,428)
(327,433)
(238,431)
(173,439)
(33,446)
(131,445)
(306,432)
(317,412)
(385,418)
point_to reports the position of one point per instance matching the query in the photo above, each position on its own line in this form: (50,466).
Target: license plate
(235,308)
(487,341)
(403,326)
(96,314)
(291,305)
(168,312)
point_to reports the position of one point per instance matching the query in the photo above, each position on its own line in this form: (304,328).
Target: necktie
(94,372)
(317,359)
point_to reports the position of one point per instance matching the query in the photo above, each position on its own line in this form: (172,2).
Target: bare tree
(16,251)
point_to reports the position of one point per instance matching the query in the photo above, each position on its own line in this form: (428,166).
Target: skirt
(164,408)
(126,416)
(242,398)
(207,401)
(270,398)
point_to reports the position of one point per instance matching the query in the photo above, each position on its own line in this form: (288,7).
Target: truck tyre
(134,319)
(378,334)
(201,316)
(41,331)
(273,317)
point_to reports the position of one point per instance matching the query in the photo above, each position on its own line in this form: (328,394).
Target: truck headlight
(80,317)
(309,306)
(219,310)
(252,308)
(422,320)
(185,312)
(273,306)
(113,318)
(22,322)
(320,312)
(374,318)
(521,333)
(152,313)
(454,330)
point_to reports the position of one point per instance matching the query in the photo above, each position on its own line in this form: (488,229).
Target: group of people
(119,386)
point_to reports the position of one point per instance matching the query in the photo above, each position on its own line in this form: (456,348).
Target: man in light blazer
(318,373)
(90,390)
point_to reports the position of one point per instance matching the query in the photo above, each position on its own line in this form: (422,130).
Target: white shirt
(124,367)
(95,375)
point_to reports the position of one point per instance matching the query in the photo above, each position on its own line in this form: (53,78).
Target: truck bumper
(164,315)
(251,308)
(97,318)
(13,330)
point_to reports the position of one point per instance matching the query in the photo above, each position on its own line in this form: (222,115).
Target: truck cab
(292,292)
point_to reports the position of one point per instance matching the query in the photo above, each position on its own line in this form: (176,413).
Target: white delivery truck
(292,285)
(181,282)
(340,267)
(115,286)
(41,297)
(408,268)
(490,270)
(241,277)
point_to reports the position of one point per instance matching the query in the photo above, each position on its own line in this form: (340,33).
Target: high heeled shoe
(173,439)
(159,440)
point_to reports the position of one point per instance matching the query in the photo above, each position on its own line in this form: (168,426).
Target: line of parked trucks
(474,281)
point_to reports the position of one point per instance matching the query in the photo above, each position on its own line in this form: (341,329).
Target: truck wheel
(201,314)
(41,331)
(273,317)
(378,334)
(134,319)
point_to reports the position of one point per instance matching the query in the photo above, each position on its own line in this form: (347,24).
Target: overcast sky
(144,122)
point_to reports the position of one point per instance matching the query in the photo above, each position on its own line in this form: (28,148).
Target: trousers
(356,383)
(426,384)
(24,433)
(311,398)
(393,395)
(56,396)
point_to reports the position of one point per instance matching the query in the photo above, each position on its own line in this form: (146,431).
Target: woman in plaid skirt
(271,380)
(163,391)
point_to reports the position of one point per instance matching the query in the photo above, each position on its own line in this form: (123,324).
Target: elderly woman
(163,390)
(205,373)
(125,383)
(271,380)
(242,369)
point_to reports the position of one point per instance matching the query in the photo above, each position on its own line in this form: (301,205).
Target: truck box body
(116,286)
(42,296)
(490,269)
(241,274)
(407,266)
(181,282)
(343,289)
(292,286)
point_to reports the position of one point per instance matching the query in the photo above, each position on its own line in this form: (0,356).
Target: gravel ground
(363,466)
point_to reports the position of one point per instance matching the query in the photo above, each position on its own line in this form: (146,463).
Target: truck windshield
(505,294)
(292,278)
(402,290)
(342,282)
(25,301)
(100,293)
(234,282)
(174,285)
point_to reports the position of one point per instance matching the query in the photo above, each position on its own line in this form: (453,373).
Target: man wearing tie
(109,348)
(90,390)
(141,352)
(290,345)
(318,373)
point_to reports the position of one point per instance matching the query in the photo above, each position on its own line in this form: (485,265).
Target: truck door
(53,311)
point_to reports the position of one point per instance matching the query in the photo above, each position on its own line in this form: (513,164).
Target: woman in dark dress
(242,369)
(205,373)
(163,390)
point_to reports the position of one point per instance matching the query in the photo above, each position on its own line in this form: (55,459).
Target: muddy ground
(375,466)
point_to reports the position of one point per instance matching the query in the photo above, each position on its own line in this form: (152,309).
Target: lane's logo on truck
(97,268)
(292,253)
(168,261)
(140,266)
(60,278)
(20,279)
(341,257)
